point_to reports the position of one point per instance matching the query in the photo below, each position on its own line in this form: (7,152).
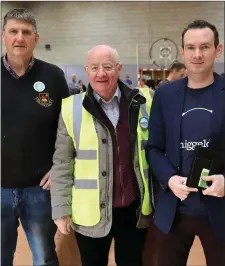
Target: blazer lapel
(177,116)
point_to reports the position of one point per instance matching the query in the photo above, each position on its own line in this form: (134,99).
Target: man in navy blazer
(185,114)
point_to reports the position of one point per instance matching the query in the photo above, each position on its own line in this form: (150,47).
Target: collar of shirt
(117,96)
(11,71)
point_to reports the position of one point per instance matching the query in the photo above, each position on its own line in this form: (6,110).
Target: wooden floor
(69,255)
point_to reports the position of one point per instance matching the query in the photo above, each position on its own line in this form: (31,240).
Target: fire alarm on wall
(47,46)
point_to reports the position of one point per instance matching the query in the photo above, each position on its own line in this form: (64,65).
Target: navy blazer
(163,149)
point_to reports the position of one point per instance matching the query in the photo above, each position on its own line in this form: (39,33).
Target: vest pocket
(85,203)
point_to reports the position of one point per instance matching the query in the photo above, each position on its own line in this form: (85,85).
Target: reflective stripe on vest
(85,193)
(142,139)
(77,109)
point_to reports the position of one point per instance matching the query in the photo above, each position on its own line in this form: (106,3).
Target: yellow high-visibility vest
(85,192)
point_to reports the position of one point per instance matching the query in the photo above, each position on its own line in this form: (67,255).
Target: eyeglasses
(105,67)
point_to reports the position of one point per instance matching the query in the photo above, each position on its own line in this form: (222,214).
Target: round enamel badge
(39,86)
(143,121)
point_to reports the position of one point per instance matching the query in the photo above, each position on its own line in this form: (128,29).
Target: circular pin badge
(39,86)
(143,122)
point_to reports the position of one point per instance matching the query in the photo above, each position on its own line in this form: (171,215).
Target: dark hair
(177,65)
(202,24)
(20,14)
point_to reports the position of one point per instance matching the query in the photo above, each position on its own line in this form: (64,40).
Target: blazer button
(102,205)
(104,141)
(104,173)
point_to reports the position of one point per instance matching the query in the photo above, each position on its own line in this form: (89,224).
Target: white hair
(113,50)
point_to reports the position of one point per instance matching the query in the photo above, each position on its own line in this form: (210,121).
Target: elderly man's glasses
(105,67)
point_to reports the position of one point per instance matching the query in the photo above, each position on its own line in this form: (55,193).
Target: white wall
(74,27)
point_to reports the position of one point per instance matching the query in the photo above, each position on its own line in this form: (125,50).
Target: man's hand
(64,224)
(217,188)
(177,185)
(45,182)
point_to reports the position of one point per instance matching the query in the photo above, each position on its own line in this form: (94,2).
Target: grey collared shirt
(111,108)
(73,87)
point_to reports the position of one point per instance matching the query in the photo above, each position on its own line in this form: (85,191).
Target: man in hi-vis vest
(99,179)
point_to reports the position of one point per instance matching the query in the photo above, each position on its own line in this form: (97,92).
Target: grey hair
(20,14)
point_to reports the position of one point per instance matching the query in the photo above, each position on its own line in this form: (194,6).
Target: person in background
(188,114)
(100,174)
(143,85)
(31,94)
(177,71)
(151,83)
(82,86)
(73,86)
(127,80)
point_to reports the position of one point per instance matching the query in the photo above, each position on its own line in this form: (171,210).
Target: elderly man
(31,92)
(73,85)
(100,175)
